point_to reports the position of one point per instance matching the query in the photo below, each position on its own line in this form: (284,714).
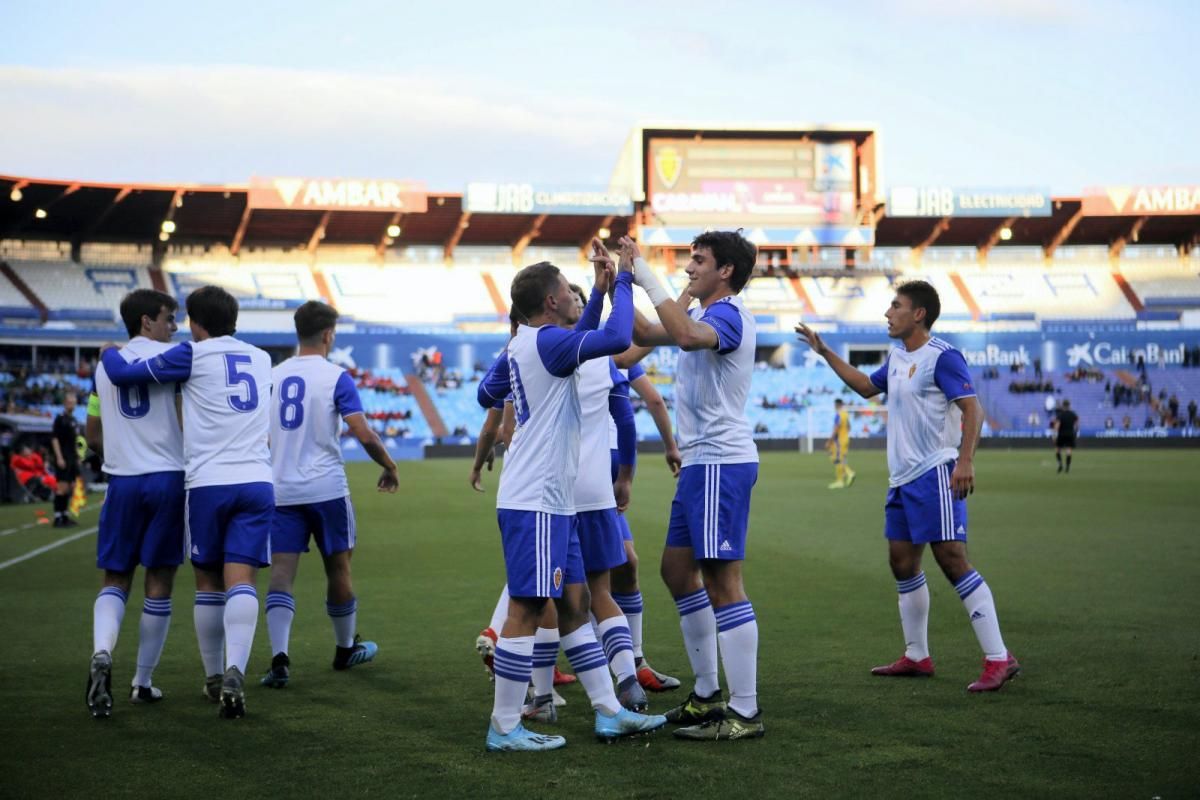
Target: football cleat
(145,694)
(631,695)
(732,726)
(520,739)
(905,667)
(837,485)
(99,685)
(485,645)
(360,653)
(652,680)
(610,727)
(559,700)
(233,696)
(279,673)
(563,678)
(850,476)
(696,709)
(212,688)
(996,674)
(540,709)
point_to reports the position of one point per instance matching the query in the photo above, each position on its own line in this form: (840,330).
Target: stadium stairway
(416,387)
(965,294)
(25,291)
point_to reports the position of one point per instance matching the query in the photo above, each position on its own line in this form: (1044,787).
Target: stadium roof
(81,211)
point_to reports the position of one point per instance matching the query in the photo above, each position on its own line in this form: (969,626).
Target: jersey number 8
(291,403)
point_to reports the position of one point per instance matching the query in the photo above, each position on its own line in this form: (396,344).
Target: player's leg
(162,551)
(204,512)
(720,554)
(839,467)
(1058,456)
(902,516)
(531,554)
(336,534)
(946,517)
(849,474)
(64,484)
(485,642)
(603,547)
(1070,451)
(117,556)
(290,530)
(541,707)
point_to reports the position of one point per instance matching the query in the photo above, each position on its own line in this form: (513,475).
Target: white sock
(631,606)
(209,617)
(281,610)
(545,654)
(152,635)
(513,665)
(977,599)
(618,646)
(737,632)
(699,626)
(914,616)
(591,668)
(345,621)
(107,614)
(500,612)
(241,618)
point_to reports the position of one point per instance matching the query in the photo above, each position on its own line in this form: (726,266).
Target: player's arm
(59,461)
(349,406)
(485,445)
(563,351)
(170,366)
(509,425)
(93,429)
(632,356)
(952,377)
(621,411)
(590,319)
(865,385)
(662,418)
(495,386)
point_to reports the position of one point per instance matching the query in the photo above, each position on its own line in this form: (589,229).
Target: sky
(1063,94)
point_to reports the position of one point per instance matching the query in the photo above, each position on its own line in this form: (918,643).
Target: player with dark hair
(230,497)
(64,440)
(934,420)
(312,398)
(1066,428)
(137,432)
(706,538)
(839,445)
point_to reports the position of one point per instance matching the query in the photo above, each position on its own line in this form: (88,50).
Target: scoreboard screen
(751,182)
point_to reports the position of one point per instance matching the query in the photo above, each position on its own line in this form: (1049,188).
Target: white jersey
(543,459)
(311,397)
(711,388)
(924,426)
(593,484)
(140,423)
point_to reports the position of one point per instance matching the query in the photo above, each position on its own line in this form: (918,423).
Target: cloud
(1041,12)
(257,119)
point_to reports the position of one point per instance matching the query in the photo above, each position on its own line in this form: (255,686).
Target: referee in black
(1066,423)
(63,440)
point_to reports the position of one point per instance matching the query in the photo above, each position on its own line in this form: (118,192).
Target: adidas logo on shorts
(726,547)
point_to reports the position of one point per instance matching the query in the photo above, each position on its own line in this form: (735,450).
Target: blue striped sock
(911,584)
(734,615)
(629,603)
(157,607)
(107,613)
(112,591)
(967,584)
(281,600)
(152,635)
(512,666)
(691,603)
(345,621)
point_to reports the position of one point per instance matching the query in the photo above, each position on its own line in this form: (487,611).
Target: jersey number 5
(291,403)
(234,376)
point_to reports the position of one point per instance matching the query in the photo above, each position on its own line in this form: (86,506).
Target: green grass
(1095,577)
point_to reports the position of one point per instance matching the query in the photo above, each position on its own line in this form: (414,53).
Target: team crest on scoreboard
(558,578)
(912,370)
(668,163)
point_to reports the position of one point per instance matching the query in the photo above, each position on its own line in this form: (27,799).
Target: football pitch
(1097,583)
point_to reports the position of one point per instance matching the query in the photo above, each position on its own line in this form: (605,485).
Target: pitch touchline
(28,525)
(47,547)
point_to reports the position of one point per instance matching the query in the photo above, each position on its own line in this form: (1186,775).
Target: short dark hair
(922,295)
(531,286)
(144,303)
(213,309)
(313,319)
(579,292)
(1066,403)
(730,247)
(839,402)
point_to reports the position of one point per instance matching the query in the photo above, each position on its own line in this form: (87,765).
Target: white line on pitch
(47,547)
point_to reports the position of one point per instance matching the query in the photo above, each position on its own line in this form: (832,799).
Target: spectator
(1126,423)
(1173,407)
(1191,408)
(1109,424)
(1034,420)
(1037,368)
(30,469)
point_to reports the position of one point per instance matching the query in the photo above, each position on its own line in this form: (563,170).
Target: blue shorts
(600,539)
(711,510)
(924,510)
(141,522)
(541,552)
(330,523)
(230,524)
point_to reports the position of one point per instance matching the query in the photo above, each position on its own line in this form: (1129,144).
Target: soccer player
(136,430)
(839,445)
(312,498)
(230,499)
(536,500)
(63,444)
(1066,425)
(626,589)
(706,538)
(934,419)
